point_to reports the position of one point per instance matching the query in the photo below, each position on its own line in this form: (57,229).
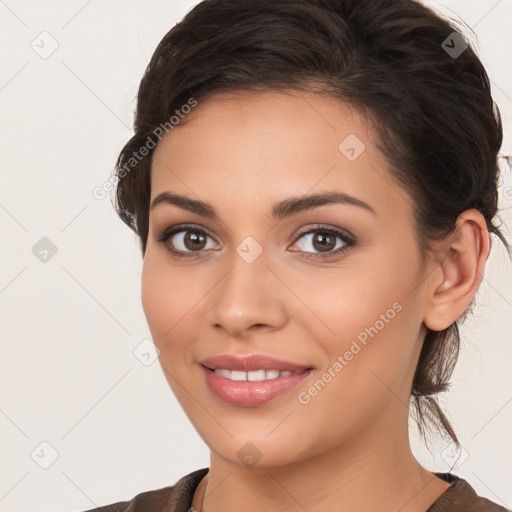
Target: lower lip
(251,394)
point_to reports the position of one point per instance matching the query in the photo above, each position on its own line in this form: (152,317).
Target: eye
(184,240)
(191,241)
(325,239)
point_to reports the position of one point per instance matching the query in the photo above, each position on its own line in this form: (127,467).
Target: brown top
(459,497)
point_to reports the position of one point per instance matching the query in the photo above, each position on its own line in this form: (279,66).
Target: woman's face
(251,281)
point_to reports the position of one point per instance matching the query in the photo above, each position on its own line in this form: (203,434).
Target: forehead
(253,147)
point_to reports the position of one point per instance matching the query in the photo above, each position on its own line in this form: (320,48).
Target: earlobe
(459,271)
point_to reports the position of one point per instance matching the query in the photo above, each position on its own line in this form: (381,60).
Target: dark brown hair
(432,109)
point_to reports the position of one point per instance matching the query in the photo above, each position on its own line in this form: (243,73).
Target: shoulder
(461,497)
(177,497)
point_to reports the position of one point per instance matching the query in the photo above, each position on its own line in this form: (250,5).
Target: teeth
(253,376)
(256,375)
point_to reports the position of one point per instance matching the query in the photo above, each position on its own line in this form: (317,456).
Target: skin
(242,153)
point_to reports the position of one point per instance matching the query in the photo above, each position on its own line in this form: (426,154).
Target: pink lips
(250,363)
(247,393)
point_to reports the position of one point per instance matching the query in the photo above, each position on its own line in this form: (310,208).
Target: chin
(258,450)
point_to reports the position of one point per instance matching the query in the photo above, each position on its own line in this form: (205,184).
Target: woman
(314,187)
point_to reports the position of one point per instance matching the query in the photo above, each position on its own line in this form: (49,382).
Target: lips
(253,376)
(239,380)
(251,363)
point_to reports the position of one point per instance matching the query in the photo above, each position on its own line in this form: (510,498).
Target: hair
(435,119)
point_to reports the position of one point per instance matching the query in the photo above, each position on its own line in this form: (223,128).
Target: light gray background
(69,326)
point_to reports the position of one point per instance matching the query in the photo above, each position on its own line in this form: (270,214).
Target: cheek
(171,299)
(377,295)
(376,320)
(359,303)
(164,299)
(373,318)
(153,285)
(166,302)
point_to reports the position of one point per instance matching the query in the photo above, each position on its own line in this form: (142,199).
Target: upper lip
(250,363)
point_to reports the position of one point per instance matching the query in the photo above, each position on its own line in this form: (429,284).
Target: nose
(248,299)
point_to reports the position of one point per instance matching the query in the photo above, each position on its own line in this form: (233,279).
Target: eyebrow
(281,210)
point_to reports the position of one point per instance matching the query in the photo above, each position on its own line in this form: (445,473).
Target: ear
(458,270)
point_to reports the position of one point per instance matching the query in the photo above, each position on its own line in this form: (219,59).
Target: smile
(253,376)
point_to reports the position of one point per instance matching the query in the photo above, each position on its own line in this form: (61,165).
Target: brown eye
(185,240)
(324,242)
(194,240)
(329,242)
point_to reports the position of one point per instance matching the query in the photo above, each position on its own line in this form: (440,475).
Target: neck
(374,470)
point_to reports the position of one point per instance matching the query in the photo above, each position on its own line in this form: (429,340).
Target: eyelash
(349,241)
